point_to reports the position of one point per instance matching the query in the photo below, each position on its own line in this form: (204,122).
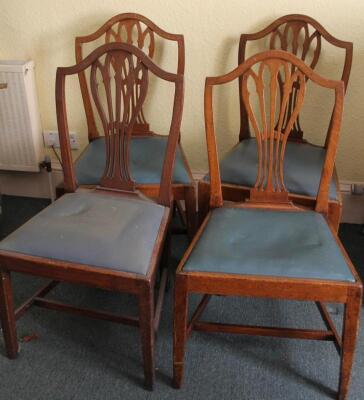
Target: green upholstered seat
(303,164)
(146,162)
(269,243)
(94,229)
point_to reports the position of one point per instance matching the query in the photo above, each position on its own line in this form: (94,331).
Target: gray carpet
(80,358)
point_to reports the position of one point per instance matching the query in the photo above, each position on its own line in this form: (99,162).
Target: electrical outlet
(357,188)
(74,141)
(51,139)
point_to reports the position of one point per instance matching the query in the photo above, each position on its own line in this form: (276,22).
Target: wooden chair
(268,247)
(302,36)
(110,237)
(140,31)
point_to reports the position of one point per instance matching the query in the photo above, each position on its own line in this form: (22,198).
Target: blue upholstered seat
(94,229)
(302,167)
(146,162)
(269,243)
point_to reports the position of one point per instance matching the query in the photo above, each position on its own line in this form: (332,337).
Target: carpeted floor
(78,358)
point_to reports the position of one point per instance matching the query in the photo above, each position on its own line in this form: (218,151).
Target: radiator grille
(21,147)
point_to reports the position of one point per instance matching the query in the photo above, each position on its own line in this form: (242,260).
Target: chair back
(302,36)
(269,78)
(128,28)
(116,69)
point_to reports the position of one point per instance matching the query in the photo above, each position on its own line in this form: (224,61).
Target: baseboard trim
(353,205)
(36,185)
(28,184)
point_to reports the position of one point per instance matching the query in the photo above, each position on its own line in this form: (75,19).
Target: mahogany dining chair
(267,246)
(302,36)
(110,237)
(147,147)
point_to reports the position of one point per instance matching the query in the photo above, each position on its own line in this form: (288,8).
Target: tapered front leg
(7,315)
(146,321)
(166,257)
(350,333)
(191,215)
(203,201)
(179,329)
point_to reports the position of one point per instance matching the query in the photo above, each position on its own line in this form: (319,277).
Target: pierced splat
(131,31)
(270,124)
(302,36)
(295,37)
(124,83)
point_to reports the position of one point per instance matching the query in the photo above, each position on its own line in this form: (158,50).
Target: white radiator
(21,147)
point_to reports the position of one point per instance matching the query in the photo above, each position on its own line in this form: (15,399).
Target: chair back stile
(132,29)
(273,75)
(117,69)
(302,36)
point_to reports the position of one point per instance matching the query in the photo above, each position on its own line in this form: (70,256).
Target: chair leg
(335,212)
(350,332)
(60,191)
(180,329)
(7,315)
(203,200)
(166,257)
(146,322)
(190,204)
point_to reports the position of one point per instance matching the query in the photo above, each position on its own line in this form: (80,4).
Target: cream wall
(44,30)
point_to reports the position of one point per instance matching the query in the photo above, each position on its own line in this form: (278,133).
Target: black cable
(46,163)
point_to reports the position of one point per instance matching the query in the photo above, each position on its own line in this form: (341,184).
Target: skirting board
(353,208)
(353,205)
(36,185)
(28,184)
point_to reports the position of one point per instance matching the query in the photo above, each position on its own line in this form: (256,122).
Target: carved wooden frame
(186,192)
(118,184)
(127,20)
(296,22)
(320,291)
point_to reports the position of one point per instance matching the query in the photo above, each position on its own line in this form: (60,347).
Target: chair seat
(94,229)
(146,162)
(269,243)
(302,167)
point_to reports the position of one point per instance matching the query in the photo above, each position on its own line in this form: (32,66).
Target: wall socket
(51,139)
(357,188)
